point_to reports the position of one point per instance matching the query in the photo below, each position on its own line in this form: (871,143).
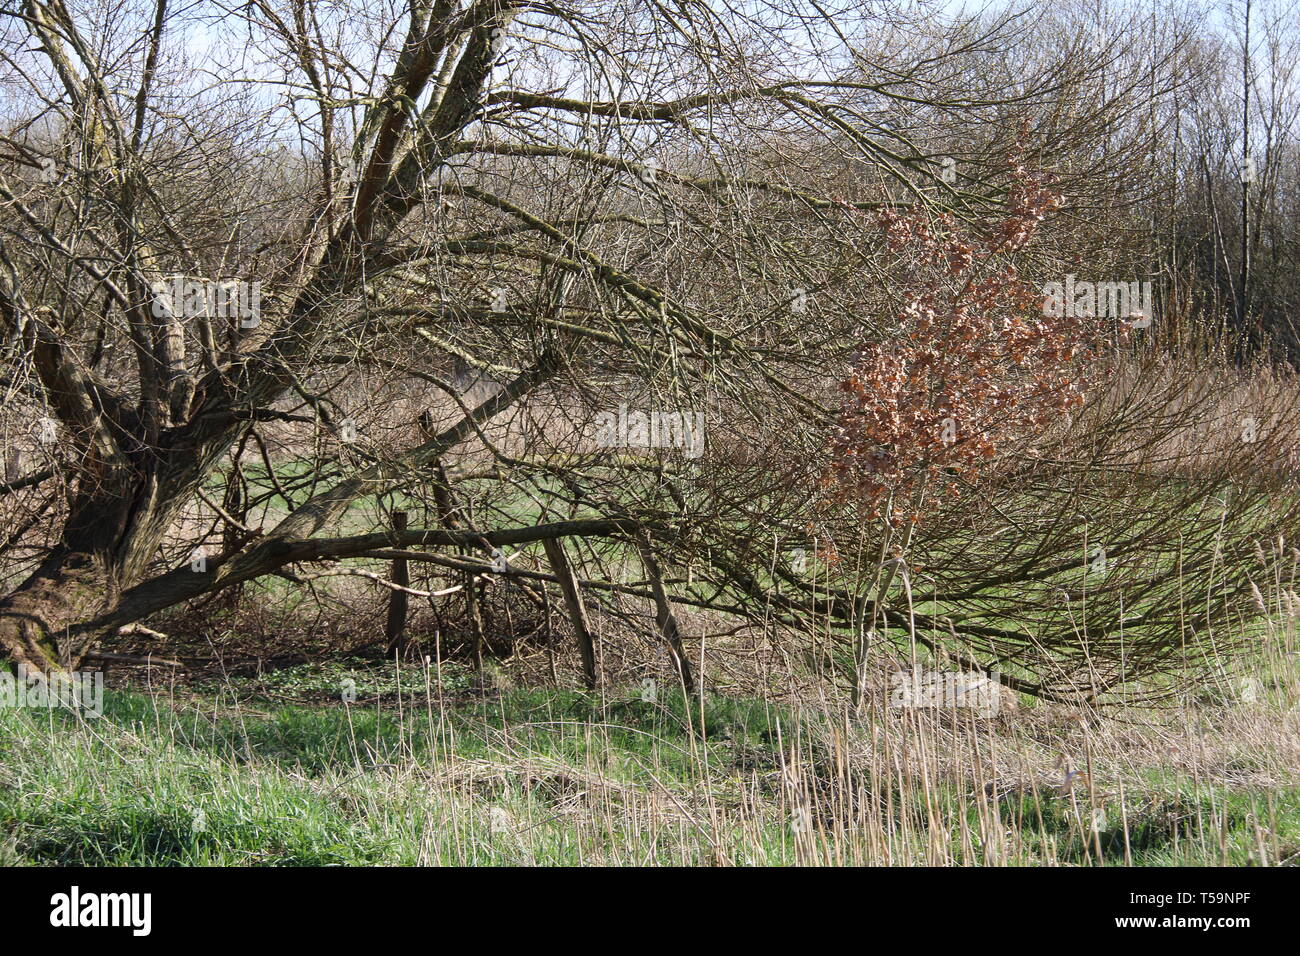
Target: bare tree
(611,227)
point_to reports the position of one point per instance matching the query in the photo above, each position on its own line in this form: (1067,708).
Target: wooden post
(473,594)
(577,613)
(666,619)
(395,629)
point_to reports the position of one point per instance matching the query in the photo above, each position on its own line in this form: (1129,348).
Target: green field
(442,766)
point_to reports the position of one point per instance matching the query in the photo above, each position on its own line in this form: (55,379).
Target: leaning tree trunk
(41,620)
(92,581)
(108,540)
(68,588)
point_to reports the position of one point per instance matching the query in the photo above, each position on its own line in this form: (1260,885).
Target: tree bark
(395,627)
(577,612)
(667,620)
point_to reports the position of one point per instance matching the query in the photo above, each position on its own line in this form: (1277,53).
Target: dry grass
(435,765)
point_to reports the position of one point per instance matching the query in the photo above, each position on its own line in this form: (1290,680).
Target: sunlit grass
(424,769)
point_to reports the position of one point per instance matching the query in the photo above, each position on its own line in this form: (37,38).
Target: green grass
(196,783)
(430,772)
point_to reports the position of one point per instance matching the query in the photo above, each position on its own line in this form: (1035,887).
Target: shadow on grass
(567,724)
